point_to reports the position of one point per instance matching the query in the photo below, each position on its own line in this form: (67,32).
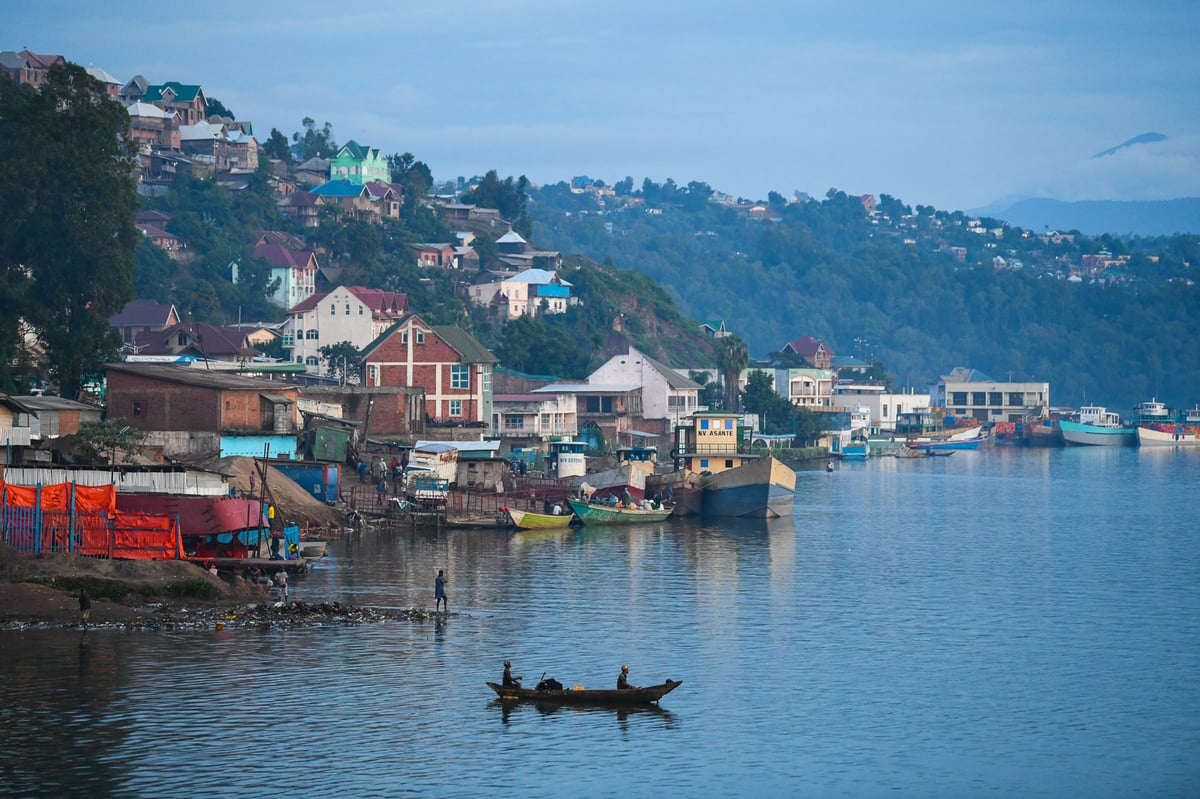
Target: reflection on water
(1013,622)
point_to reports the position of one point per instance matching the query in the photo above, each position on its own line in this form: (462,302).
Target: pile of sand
(295,504)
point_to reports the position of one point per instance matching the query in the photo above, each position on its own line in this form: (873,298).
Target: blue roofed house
(527,293)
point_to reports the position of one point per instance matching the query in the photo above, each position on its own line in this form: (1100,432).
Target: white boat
(312,549)
(1098,427)
(1171,434)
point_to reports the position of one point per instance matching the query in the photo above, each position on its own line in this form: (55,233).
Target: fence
(49,519)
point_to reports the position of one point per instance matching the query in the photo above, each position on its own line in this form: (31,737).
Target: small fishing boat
(525,520)
(587,696)
(602,513)
(950,445)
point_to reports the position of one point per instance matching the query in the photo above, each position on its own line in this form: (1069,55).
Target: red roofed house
(453,367)
(813,352)
(355,314)
(28,67)
(295,269)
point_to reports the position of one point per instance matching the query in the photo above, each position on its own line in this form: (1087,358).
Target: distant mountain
(1145,138)
(1096,217)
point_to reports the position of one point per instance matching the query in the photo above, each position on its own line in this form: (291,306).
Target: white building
(969,392)
(884,406)
(666,394)
(534,417)
(526,293)
(348,313)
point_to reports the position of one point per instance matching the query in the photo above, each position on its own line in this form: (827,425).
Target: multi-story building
(527,293)
(453,368)
(969,392)
(353,314)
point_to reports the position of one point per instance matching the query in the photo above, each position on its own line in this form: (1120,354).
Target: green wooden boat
(597,513)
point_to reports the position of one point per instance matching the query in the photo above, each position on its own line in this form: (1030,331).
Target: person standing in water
(439,592)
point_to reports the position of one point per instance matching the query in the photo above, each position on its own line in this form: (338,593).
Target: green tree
(215,107)
(342,361)
(67,198)
(315,142)
(732,358)
(276,146)
(109,441)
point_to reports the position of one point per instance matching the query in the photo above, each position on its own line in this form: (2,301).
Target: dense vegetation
(886,287)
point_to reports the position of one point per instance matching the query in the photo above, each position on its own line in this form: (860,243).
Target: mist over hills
(1097,217)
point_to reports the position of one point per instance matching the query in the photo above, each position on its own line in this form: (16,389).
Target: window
(514,421)
(312,333)
(958,398)
(182,339)
(373,374)
(728,424)
(300,333)
(996,398)
(360,310)
(139,408)
(311,360)
(404,337)
(420,336)
(347,309)
(1016,398)
(456,407)
(704,425)
(978,398)
(460,375)
(704,463)
(332,310)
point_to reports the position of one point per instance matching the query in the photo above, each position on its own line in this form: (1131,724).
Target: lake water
(999,623)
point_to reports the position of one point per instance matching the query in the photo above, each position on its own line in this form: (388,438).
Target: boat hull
(612,697)
(764,489)
(1077,434)
(1179,436)
(524,520)
(590,513)
(951,445)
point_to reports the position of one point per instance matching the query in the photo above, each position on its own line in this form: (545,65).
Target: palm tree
(732,361)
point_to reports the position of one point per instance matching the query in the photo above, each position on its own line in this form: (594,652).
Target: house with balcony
(151,126)
(606,414)
(192,413)
(970,393)
(230,149)
(295,269)
(453,368)
(531,420)
(527,293)
(805,387)
(353,314)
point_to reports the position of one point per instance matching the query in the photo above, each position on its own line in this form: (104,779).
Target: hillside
(1133,218)
(922,291)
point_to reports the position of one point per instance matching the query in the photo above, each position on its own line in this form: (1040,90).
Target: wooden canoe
(524,520)
(588,696)
(598,513)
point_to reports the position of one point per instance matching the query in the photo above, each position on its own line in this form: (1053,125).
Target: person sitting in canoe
(623,680)
(509,680)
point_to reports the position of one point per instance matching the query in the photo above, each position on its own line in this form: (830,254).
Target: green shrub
(192,588)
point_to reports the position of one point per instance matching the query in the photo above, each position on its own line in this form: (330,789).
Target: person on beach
(85,607)
(623,680)
(281,580)
(439,592)
(509,681)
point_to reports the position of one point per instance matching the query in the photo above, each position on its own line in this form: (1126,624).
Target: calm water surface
(1000,623)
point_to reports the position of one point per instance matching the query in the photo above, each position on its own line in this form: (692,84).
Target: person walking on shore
(439,592)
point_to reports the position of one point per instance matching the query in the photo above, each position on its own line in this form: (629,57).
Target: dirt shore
(42,591)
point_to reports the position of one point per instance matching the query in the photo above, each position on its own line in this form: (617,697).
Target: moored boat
(950,445)
(603,513)
(1168,435)
(762,488)
(1097,426)
(525,520)
(587,696)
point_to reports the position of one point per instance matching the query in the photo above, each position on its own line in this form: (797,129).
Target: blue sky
(950,104)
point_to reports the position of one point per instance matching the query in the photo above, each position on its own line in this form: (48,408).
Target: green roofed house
(186,100)
(359,164)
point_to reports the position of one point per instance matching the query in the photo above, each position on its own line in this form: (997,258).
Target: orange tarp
(58,496)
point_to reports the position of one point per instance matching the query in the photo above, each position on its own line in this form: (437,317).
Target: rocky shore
(42,592)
